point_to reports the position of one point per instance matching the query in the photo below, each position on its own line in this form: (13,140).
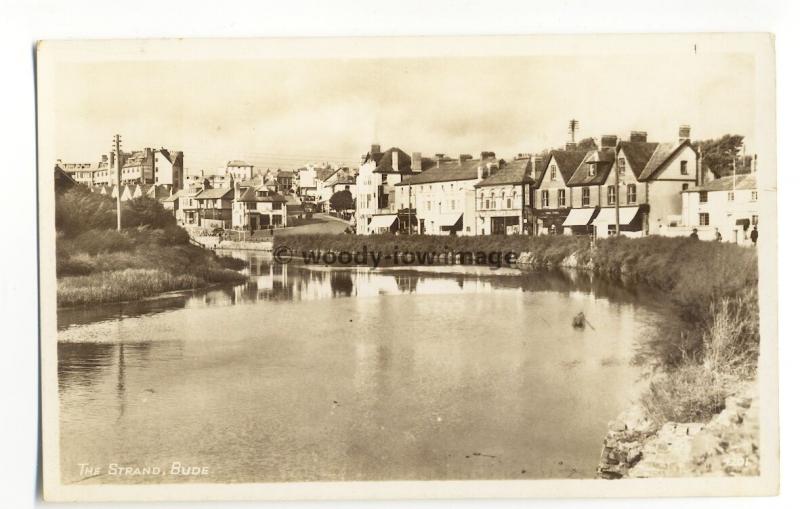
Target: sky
(286,113)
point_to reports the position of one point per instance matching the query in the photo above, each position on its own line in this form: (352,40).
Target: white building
(377,177)
(728,204)
(239,170)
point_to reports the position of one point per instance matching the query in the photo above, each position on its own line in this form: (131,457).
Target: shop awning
(448,219)
(579,217)
(609,216)
(383,221)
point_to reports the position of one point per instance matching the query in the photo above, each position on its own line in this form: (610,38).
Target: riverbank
(96,263)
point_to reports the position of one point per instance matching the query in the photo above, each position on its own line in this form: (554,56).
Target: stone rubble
(727,445)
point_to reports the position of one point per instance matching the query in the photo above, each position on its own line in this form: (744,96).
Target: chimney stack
(463,158)
(375,149)
(570,145)
(416,162)
(684,133)
(395,160)
(486,155)
(638,136)
(439,159)
(608,141)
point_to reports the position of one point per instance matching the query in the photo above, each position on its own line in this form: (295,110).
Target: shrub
(690,393)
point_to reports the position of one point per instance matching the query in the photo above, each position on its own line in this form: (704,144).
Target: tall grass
(121,285)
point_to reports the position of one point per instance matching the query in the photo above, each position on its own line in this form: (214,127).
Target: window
(685,186)
(487,204)
(754,196)
(453,204)
(612,195)
(562,197)
(755,221)
(508,203)
(545,198)
(631,193)
(704,219)
(684,168)
(552,172)
(621,165)
(703,196)
(591,170)
(585,199)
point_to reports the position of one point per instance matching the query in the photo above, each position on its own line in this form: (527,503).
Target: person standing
(754,235)
(717,235)
(694,235)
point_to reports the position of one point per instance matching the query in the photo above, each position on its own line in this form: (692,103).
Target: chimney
(608,141)
(684,133)
(375,149)
(236,191)
(395,160)
(463,158)
(416,162)
(439,159)
(480,172)
(570,145)
(638,136)
(524,155)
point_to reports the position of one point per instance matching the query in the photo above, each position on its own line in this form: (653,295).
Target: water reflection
(314,373)
(288,282)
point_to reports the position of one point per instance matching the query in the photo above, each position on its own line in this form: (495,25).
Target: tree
(342,200)
(718,155)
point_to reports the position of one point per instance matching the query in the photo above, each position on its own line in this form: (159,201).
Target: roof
(215,193)
(343,179)
(661,157)
(238,162)
(449,171)
(583,175)
(383,161)
(567,160)
(252,195)
(746,181)
(638,153)
(285,174)
(517,171)
(324,174)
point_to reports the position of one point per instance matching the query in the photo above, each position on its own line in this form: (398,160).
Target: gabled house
(652,177)
(183,205)
(377,177)
(585,187)
(285,180)
(214,207)
(258,208)
(552,199)
(504,200)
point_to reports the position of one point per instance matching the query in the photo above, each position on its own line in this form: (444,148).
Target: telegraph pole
(118,179)
(616,187)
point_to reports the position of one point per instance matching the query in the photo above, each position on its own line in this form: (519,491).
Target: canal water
(313,373)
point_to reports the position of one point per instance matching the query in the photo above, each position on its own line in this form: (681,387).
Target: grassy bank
(95,263)
(699,357)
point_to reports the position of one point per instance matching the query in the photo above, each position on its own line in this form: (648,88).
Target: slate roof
(215,193)
(746,181)
(324,174)
(567,160)
(638,153)
(602,167)
(383,161)
(517,171)
(661,156)
(449,171)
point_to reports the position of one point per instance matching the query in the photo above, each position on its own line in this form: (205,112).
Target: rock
(617,426)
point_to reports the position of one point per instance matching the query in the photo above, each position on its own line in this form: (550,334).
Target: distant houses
(641,186)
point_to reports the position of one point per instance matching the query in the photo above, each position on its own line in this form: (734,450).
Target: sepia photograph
(413,267)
